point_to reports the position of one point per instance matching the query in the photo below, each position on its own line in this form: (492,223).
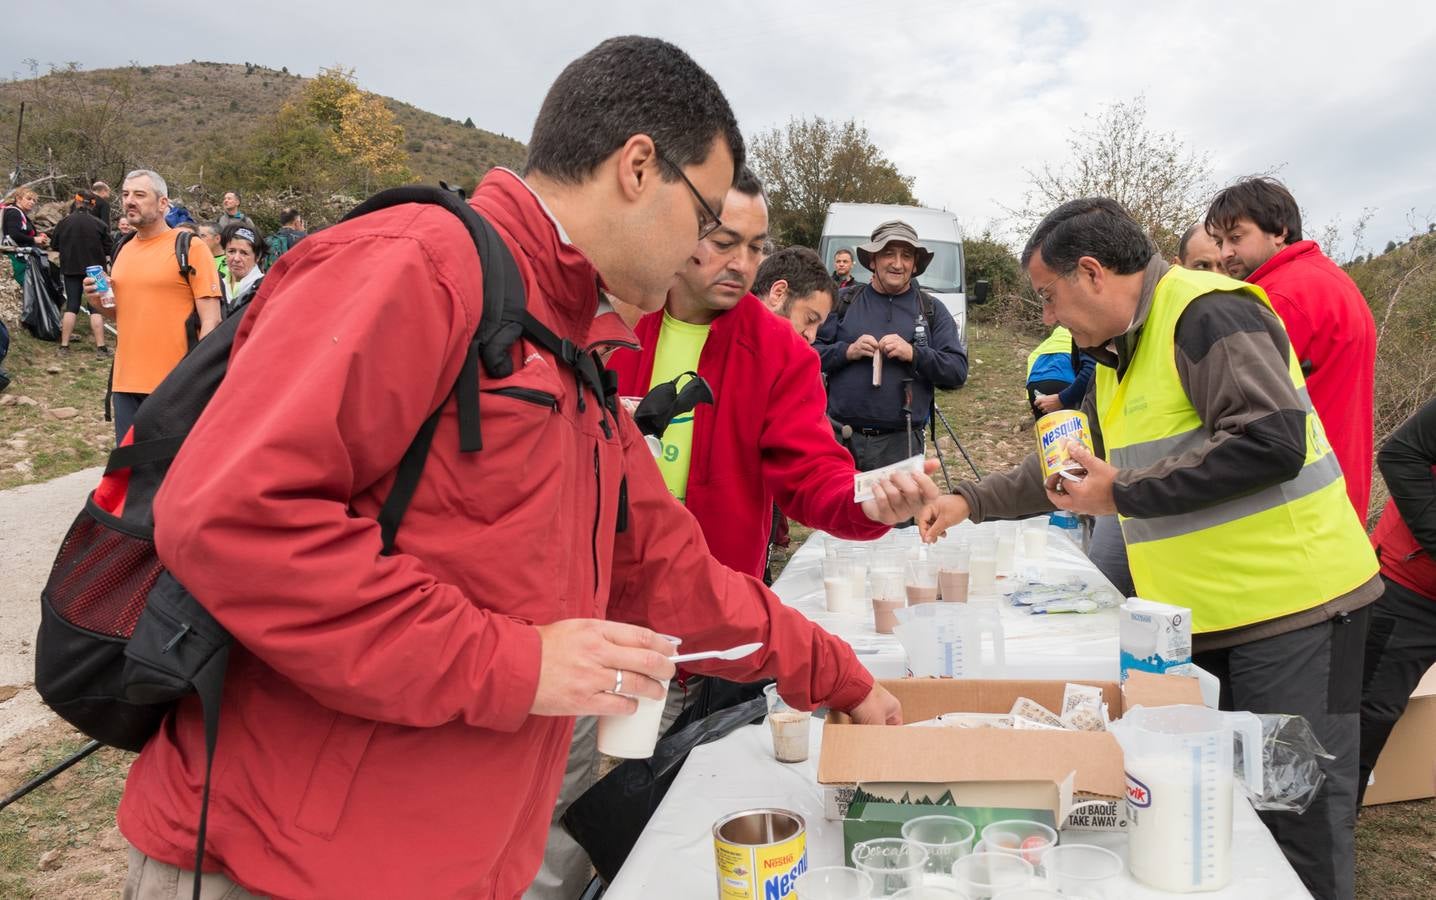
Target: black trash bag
(41,311)
(608,818)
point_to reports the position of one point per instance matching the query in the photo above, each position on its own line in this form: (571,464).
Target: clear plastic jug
(1180,779)
(953,640)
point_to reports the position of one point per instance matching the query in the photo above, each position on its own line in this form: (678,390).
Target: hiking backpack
(121,642)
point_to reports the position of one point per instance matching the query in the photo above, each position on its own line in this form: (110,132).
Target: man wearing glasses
(886,346)
(396,724)
(1229,495)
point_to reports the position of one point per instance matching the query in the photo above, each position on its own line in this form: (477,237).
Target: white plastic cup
(983,564)
(833,883)
(789,727)
(1006,549)
(929,892)
(1020,837)
(634,736)
(979,876)
(1082,870)
(945,838)
(892,863)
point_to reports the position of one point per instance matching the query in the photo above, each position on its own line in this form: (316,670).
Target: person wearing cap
(878,409)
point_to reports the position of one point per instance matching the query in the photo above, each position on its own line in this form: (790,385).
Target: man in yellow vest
(1227,491)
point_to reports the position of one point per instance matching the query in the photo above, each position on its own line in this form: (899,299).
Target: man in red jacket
(1257,226)
(396,725)
(1401,642)
(766,437)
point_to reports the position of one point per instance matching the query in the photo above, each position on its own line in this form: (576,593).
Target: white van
(851,224)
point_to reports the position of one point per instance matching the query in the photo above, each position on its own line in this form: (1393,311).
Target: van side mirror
(980,289)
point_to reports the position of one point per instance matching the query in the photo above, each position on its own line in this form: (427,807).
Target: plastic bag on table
(609,817)
(1291,768)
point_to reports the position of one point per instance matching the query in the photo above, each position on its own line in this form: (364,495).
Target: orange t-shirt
(152,303)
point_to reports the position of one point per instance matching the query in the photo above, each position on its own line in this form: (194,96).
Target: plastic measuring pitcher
(953,640)
(1180,779)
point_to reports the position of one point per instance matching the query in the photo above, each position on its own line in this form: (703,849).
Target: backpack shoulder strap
(120,244)
(500,325)
(182,238)
(846,296)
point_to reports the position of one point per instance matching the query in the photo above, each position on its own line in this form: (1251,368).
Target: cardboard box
(875,755)
(1404,771)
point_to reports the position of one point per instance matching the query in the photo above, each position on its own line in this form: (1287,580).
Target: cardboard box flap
(868,754)
(927,698)
(1427,686)
(1151,689)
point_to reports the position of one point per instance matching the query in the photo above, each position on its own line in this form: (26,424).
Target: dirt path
(33,520)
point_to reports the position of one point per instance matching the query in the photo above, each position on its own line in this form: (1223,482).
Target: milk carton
(1155,637)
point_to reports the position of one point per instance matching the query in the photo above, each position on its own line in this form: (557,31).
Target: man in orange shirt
(158,311)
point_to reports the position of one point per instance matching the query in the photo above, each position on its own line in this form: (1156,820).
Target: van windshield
(943,275)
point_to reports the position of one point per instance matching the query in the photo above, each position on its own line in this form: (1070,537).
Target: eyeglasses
(1041,292)
(708,221)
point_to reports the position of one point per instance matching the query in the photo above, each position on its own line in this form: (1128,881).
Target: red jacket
(1403,559)
(765,438)
(1334,337)
(375,739)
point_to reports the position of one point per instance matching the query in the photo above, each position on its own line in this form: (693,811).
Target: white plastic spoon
(730,654)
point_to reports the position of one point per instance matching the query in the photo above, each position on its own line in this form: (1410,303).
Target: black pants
(124,407)
(1400,647)
(1313,672)
(873,451)
(1043,387)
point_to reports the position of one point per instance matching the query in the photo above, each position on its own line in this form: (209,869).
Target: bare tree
(810,164)
(1163,184)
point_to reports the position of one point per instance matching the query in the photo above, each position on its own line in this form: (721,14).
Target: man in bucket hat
(884,349)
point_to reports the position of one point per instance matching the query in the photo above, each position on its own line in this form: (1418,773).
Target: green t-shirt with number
(679,346)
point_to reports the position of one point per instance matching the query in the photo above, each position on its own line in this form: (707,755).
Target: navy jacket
(852,399)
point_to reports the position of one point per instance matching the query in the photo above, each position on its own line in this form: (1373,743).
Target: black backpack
(120,640)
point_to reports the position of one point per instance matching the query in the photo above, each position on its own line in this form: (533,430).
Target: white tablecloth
(1074,646)
(674,858)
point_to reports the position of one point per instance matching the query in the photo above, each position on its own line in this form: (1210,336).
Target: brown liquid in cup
(917,594)
(952,584)
(884,615)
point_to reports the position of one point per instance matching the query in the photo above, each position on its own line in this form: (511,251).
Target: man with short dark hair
(1230,499)
(843,268)
(291,231)
(794,284)
(885,348)
(422,700)
(210,236)
(101,190)
(1198,251)
(1257,226)
(231,215)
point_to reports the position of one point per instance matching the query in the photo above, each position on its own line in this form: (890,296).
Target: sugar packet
(1027,712)
(863,481)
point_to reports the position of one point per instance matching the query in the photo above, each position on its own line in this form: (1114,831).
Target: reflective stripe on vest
(1286,548)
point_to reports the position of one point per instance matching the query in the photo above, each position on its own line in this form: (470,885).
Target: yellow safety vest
(1059,341)
(1284,549)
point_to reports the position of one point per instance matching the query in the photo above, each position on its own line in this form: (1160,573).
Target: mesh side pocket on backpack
(96,592)
(102,574)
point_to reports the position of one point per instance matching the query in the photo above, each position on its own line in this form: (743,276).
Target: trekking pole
(937,449)
(43,777)
(952,434)
(907,411)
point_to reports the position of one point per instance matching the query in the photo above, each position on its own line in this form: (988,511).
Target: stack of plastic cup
(983,562)
(946,840)
(1006,549)
(953,570)
(1034,547)
(1082,870)
(980,876)
(892,863)
(834,883)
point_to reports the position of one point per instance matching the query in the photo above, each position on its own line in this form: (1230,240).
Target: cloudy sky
(965,96)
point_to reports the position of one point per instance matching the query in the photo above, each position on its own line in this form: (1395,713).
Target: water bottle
(102,286)
(919,331)
(1070,524)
